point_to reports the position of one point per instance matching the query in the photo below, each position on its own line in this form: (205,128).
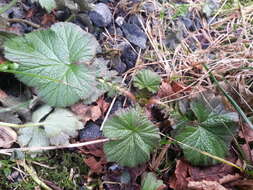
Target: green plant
(150,182)
(55,61)
(206,126)
(132,136)
(147,80)
(49,5)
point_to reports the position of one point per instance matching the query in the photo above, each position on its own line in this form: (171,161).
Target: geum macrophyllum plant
(59,62)
(206,126)
(54,61)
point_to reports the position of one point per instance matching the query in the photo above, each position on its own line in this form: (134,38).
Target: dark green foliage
(209,129)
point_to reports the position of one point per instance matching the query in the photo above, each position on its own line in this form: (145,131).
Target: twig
(31,149)
(23,21)
(21,125)
(33,174)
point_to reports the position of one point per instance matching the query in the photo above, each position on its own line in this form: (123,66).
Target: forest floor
(196,49)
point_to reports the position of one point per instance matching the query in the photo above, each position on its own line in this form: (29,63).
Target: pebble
(135,35)
(119,20)
(101,15)
(128,56)
(118,65)
(90,131)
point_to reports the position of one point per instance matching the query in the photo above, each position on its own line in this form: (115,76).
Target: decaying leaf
(86,113)
(179,179)
(150,182)
(205,185)
(7,137)
(59,125)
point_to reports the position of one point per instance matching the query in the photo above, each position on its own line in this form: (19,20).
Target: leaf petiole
(21,125)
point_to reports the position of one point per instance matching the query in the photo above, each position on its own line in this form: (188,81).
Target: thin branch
(30,170)
(31,149)
(21,125)
(23,21)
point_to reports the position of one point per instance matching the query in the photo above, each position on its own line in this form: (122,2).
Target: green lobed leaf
(53,61)
(150,182)
(49,5)
(200,109)
(135,137)
(147,79)
(214,140)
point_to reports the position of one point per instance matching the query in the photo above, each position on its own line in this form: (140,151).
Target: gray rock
(135,35)
(101,15)
(118,65)
(120,20)
(91,131)
(135,19)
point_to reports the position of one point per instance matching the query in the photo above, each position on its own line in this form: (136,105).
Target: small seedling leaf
(147,79)
(150,182)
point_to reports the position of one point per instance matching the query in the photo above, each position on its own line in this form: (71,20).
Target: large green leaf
(214,140)
(134,138)
(49,5)
(53,61)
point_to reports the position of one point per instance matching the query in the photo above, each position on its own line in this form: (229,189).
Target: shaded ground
(176,39)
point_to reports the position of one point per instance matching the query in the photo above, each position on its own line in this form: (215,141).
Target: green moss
(61,164)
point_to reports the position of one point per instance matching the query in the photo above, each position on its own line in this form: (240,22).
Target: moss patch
(66,171)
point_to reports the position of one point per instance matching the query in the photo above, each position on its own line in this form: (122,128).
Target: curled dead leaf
(205,185)
(7,137)
(86,113)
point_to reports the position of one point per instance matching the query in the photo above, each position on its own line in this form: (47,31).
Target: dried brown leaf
(179,179)
(7,137)
(212,173)
(103,105)
(94,165)
(165,90)
(205,185)
(247,133)
(86,113)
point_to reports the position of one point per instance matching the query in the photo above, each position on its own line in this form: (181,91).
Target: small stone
(135,35)
(101,15)
(91,131)
(120,20)
(129,57)
(118,65)
(135,19)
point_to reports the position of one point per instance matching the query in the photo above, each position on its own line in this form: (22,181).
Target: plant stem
(8,6)
(31,149)
(207,154)
(30,170)
(120,89)
(21,125)
(23,21)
